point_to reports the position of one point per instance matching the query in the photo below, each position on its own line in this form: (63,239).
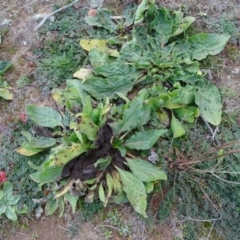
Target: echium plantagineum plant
(144,83)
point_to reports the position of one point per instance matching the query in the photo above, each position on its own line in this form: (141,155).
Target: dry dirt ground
(16,47)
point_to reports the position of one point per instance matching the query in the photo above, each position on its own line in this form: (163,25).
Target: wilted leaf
(145,171)
(44,116)
(83,73)
(144,140)
(101,45)
(28,150)
(135,190)
(177,127)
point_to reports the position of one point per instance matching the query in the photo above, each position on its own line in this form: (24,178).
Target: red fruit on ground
(3,177)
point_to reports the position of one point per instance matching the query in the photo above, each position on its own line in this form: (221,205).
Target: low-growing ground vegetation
(132,109)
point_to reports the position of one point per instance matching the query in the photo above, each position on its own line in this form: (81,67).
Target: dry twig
(51,14)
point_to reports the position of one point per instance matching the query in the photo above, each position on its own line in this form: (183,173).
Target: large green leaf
(204,44)
(44,116)
(145,171)
(162,25)
(135,190)
(208,99)
(135,115)
(49,174)
(144,140)
(99,87)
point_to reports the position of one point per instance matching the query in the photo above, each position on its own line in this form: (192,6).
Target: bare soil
(17,47)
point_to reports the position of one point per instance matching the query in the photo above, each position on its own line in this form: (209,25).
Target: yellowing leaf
(63,154)
(27,150)
(83,73)
(101,45)
(6,94)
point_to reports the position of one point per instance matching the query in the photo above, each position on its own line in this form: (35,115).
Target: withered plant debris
(83,167)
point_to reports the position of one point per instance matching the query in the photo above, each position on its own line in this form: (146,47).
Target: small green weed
(60,56)
(35,236)
(16,166)
(114,222)
(207,191)
(224,24)
(23,81)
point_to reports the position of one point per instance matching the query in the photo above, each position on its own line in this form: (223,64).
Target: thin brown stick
(51,14)
(221,147)
(211,158)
